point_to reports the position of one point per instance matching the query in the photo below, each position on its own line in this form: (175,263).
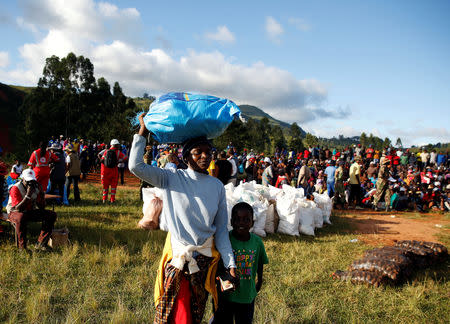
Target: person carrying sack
(195,213)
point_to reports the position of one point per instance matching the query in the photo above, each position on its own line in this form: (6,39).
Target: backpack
(111,159)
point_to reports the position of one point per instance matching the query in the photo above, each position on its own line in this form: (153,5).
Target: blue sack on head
(178,116)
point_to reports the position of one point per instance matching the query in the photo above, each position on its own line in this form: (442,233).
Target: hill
(253,112)
(11,99)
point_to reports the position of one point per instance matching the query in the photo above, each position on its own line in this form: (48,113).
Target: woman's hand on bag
(143,131)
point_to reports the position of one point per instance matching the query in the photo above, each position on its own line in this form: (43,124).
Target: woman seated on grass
(196,216)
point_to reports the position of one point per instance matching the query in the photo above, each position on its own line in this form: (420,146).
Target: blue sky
(334,67)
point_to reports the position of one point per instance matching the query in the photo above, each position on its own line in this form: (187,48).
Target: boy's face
(242,221)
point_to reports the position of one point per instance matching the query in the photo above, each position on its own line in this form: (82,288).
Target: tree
(311,140)
(278,138)
(386,142)
(398,143)
(68,100)
(296,142)
(363,139)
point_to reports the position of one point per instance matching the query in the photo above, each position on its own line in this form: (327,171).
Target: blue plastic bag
(179,116)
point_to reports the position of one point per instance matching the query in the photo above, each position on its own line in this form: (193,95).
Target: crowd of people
(51,171)
(355,177)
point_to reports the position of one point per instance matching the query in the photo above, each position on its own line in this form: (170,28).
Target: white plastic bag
(289,224)
(306,225)
(152,208)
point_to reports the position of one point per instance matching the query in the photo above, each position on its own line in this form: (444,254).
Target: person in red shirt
(306,154)
(27,204)
(110,175)
(369,152)
(40,162)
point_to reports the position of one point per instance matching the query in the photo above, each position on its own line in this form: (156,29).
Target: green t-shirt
(248,255)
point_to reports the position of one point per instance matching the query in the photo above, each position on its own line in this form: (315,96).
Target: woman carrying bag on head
(195,215)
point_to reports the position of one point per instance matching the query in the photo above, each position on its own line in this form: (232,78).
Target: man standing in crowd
(224,168)
(73,172)
(110,158)
(330,171)
(27,204)
(355,183)
(383,184)
(303,176)
(58,170)
(234,168)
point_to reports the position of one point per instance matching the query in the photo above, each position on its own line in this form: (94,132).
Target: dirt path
(376,228)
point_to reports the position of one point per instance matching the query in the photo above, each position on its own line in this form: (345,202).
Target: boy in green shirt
(238,306)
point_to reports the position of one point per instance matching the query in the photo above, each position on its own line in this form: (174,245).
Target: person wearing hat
(40,161)
(110,159)
(382,184)
(267,175)
(195,215)
(27,204)
(73,172)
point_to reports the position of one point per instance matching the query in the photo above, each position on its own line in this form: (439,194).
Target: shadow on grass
(133,239)
(339,226)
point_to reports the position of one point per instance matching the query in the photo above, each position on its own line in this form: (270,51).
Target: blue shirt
(330,171)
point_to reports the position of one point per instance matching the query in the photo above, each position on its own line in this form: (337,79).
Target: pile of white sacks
(276,210)
(283,210)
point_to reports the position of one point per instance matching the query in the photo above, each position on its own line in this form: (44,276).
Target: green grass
(107,275)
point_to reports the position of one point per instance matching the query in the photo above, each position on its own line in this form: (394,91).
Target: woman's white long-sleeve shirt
(194,203)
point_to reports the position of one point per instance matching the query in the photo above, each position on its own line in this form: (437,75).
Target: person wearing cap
(40,161)
(73,171)
(57,170)
(27,204)
(330,171)
(382,184)
(110,175)
(195,215)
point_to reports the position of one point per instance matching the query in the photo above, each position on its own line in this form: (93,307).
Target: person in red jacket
(40,163)
(27,204)
(109,169)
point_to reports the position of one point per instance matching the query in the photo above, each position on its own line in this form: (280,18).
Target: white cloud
(299,23)
(222,35)
(4,59)
(84,28)
(273,29)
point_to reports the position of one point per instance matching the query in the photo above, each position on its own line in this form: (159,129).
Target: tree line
(69,100)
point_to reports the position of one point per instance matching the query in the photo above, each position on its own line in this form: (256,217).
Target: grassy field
(107,275)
